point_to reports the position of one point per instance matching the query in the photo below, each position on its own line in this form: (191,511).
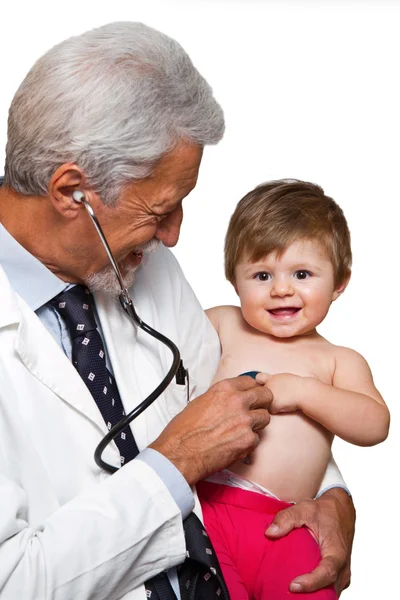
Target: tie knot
(76,305)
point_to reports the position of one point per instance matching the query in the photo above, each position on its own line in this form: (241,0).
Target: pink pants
(254,567)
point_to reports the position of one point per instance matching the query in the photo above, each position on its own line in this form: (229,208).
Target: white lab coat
(68,530)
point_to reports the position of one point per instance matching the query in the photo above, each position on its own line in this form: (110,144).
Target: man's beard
(106,280)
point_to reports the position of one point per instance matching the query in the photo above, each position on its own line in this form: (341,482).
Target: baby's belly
(291,458)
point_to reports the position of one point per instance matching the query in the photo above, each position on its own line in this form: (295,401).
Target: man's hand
(217,428)
(331,519)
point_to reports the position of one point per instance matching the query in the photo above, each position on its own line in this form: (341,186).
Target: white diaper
(227,477)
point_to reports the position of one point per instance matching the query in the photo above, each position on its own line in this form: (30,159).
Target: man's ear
(64,181)
(339,289)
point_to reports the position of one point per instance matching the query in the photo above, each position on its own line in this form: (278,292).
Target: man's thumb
(283,523)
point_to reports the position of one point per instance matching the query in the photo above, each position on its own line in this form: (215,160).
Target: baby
(288,256)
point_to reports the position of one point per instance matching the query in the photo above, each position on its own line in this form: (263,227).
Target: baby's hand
(287,390)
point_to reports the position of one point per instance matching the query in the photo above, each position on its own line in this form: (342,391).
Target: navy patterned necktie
(200,576)
(88,357)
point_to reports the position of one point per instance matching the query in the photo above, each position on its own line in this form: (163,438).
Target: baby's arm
(351,407)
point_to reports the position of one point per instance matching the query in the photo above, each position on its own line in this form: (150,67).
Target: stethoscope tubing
(127,305)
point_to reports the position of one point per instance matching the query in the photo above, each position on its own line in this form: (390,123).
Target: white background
(310,90)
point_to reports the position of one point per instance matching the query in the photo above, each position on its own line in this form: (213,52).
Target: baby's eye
(302,274)
(262,276)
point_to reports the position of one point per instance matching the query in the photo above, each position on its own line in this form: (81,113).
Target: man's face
(146,211)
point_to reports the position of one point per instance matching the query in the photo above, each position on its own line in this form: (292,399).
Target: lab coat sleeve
(332,478)
(102,544)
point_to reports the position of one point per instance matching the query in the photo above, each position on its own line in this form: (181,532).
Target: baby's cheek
(319,308)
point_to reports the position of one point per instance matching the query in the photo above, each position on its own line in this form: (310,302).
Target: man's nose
(169,228)
(282,286)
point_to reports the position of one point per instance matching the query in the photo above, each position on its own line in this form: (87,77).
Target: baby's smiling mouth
(284,311)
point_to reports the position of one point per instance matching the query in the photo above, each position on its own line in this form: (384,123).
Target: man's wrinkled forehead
(177,172)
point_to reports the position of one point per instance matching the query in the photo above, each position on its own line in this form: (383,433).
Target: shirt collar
(34,282)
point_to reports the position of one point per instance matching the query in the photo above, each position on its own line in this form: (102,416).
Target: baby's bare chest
(255,353)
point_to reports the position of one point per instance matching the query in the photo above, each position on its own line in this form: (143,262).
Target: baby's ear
(233,282)
(339,289)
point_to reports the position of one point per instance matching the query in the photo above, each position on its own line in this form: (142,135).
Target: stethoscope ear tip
(78,196)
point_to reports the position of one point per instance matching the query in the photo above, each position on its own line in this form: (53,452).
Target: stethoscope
(127,305)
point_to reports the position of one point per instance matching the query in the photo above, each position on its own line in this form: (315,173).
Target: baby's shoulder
(346,355)
(345,359)
(223,315)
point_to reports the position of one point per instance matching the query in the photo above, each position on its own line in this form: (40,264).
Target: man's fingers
(241,383)
(284,521)
(258,397)
(330,519)
(259,419)
(324,574)
(343,581)
(254,394)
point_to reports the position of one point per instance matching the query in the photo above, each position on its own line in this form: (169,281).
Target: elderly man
(121,115)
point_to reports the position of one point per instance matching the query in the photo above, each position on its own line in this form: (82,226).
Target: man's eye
(262,276)
(302,274)
(159,217)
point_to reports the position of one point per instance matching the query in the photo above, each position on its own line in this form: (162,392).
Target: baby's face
(289,295)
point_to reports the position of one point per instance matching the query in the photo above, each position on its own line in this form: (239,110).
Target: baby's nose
(282,287)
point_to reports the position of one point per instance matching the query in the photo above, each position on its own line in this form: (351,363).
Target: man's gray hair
(113,101)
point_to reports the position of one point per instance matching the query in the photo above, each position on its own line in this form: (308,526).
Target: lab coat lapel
(42,356)
(45,360)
